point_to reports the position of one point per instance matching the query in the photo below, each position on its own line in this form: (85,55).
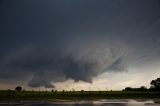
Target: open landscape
(76,95)
(128,93)
(79,52)
(80,98)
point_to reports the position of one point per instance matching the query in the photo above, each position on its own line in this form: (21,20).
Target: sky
(79,44)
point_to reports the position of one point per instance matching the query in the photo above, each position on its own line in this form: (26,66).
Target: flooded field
(84,103)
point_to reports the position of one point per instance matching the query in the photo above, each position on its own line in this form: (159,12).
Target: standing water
(85,103)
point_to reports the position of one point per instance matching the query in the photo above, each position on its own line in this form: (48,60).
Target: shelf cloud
(43,42)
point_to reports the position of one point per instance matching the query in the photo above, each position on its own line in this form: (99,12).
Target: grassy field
(74,95)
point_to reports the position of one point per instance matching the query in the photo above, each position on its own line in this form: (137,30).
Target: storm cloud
(44,41)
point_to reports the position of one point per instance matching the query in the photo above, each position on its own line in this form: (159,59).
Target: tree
(142,88)
(18,88)
(52,90)
(82,90)
(128,89)
(9,92)
(155,84)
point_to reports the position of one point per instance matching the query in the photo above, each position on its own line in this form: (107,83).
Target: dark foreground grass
(76,95)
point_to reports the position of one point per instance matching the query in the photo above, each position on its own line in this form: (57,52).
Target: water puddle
(85,103)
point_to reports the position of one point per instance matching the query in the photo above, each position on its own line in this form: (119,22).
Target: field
(76,95)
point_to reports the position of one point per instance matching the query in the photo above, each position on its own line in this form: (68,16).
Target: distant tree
(55,91)
(82,90)
(155,84)
(9,92)
(142,88)
(128,89)
(18,88)
(52,90)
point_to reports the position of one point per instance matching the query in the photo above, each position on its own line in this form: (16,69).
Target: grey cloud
(40,80)
(44,69)
(44,42)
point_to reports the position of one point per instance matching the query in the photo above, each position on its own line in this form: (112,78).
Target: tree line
(155,86)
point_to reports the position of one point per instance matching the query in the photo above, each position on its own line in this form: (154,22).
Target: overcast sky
(79,44)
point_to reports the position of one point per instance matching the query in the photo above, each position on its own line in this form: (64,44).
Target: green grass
(75,95)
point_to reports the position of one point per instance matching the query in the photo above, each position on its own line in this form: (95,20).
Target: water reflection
(85,103)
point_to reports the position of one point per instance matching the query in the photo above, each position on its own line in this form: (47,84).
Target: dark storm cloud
(46,41)
(42,69)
